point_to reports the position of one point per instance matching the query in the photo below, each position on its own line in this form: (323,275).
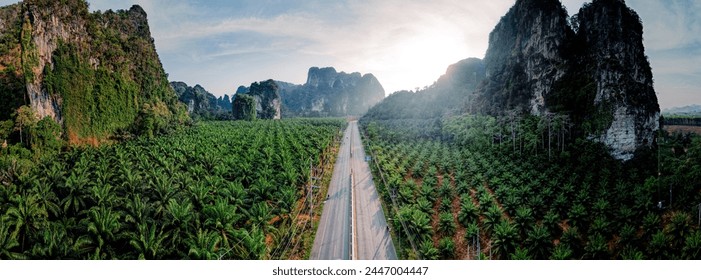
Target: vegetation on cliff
(102,77)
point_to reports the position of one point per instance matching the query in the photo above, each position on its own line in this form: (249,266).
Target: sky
(406,44)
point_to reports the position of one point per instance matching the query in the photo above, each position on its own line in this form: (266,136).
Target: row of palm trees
(221,190)
(523,207)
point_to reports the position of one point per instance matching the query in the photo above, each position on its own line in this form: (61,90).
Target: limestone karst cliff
(263,96)
(331,93)
(93,73)
(591,68)
(201,103)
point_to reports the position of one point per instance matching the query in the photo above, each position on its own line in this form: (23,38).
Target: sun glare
(422,58)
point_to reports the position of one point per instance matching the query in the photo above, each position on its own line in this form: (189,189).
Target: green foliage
(266,92)
(154,119)
(95,102)
(446,224)
(46,136)
(575,204)
(244,107)
(428,251)
(101,79)
(205,193)
(446,247)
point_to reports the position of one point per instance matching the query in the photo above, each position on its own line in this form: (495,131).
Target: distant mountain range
(200,102)
(328,93)
(691,110)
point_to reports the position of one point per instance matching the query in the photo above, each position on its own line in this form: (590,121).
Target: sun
(420,59)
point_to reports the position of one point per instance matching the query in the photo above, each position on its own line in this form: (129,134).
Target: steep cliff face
(524,57)
(330,93)
(89,72)
(265,97)
(613,34)
(593,69)
(200,102)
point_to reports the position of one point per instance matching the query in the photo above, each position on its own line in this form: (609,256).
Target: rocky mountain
(592,68)
(331,93)
(200,102)
(524,57)
(450,95)
(328,93)
(93,73)
(263,97)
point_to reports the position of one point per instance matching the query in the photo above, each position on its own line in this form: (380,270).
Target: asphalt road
(333,236)
(332,241)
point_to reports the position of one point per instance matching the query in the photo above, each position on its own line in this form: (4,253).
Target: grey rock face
(593,69)
(331,93)
(613,34)
(523,58)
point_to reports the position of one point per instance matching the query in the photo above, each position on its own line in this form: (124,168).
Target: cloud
(353,35)
(406,43)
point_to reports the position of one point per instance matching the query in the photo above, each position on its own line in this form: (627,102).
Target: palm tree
(162,191)
(47,199)
(692,246)
(428,251)
(74,200)
(221,218)
(8,241)
(627,235)
(149,241)
(539,241)
(200,195)
(468,211)
(572,239)
(658,245)
(103,227)
(260,215)
(561,252)
(597,247)
(103,195)
(204,245)
(521,254)
(179,220)
(251,244)
(630,253)
(27,217)
(285,201)
(491,218)
(524,219)
(446,224)
(577,214)
(550,222)
(55,243)
(678,228)
(138,211)
(446,247)
(130,178)
(651,224)
(423,205)
(420,225)
(504,238)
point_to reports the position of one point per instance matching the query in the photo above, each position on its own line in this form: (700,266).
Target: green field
(452,188)
(218,190)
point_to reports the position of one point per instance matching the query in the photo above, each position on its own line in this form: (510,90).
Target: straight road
(332,241)
(335,233)
(372,234)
